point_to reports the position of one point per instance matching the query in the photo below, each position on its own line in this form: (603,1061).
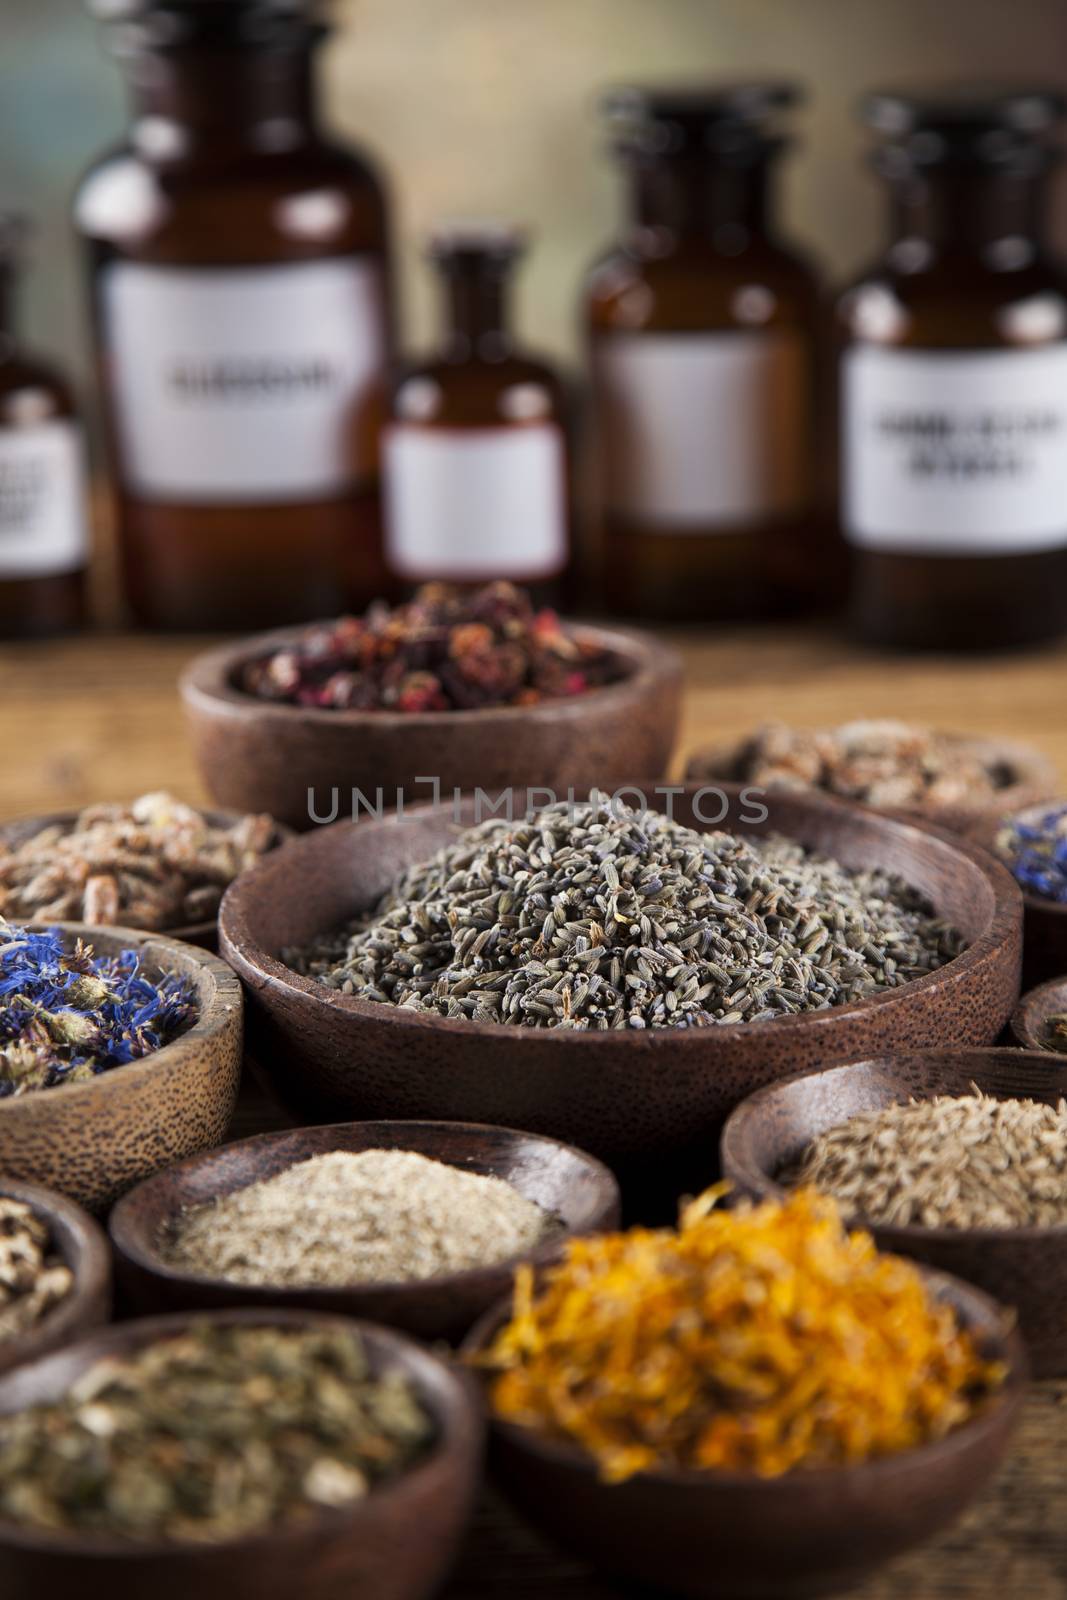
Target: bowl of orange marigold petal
(757,1404)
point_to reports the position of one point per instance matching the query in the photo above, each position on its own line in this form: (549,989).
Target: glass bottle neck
(214,102)
(961,212)
(476,307)
(699,198)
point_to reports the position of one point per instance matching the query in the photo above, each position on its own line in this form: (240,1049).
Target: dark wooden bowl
(731,1536)
(80,1244)
(564,1181)
(1044,921)
(254,754)
(1030,1019)
(623,1094)
(394,1545)
(204,934)
(1032,778)
(1021,1267)
(94,1140)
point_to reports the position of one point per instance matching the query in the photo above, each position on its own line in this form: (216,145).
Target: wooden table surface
(98,719)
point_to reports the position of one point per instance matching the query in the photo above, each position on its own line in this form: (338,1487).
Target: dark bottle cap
(170,24)
(476,243)
(976,124)
(717,119)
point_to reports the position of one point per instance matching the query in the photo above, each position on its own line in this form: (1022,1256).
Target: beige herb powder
(368,1216)
(970,1161)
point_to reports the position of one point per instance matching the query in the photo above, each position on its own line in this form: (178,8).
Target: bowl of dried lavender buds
(756,1404)
(1039,1021)
(957,1158)
(55,1273)
(242,1456)
(1033,845)
(614,977)
(119,1053)
(956,780)
(415,1225)
(156,864)
(456,688)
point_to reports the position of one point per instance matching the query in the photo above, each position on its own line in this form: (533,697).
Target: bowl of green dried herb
(119,1052)
(242,1456)
(614,978)
(1039,1021)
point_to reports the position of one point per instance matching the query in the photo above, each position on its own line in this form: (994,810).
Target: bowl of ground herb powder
(957,1158)
(120,1052)
(55,1272)
(612,977)
(240,1456)
(757,1403)
(413,1224)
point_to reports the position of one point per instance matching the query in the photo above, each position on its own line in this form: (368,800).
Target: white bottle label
(42,500)
(244,384)
(703,430)
(955,452)
(475,503)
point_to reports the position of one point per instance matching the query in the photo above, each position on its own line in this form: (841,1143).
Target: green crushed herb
(1056,1033)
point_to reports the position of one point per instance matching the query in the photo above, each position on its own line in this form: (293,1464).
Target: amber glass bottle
(43,526)
(240,291)
(475,457)
(703,328)
(953,381)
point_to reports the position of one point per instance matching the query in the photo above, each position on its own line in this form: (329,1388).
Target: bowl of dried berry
(415,1225)
(120,1052)
(956,780)
(757,1404)
(957,1158)
(242,1456)
(55,1272)
(1032,843)
(453,690)
(156,864)
(611,975)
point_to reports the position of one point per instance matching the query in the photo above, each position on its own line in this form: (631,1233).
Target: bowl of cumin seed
(956,1158)
(646,1082)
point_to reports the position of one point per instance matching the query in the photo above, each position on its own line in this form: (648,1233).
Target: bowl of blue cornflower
(1033,845)
(120,1052)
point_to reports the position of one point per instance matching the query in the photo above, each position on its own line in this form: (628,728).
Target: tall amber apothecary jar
(241,304)
(953,380)
(702,325)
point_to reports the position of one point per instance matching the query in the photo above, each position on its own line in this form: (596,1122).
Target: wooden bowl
(1044,921)
(94,1140)
(393,1545)
(1021,1267)
(564,1181)
(205,934)
(254,754)
(1031,777)
(80,1244)
(713,1535)
(1030,1019)
(621,1094)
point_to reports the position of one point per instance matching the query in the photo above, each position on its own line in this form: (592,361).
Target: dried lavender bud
(66,1015)
(1034,846)
(447,650)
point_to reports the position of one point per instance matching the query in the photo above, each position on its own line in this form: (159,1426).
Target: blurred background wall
(487,107)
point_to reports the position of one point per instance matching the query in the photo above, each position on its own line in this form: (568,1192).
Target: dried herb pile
(67,1015)
(762,1340)
(213,1434)
(967,1161)
(1034,845)
(33,1278)
(449,649)
(154,864)
(600,917)
(367,1216)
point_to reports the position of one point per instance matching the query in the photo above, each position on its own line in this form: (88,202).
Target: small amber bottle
(43,511)
(241,302)
(703,327)
(953,376)
(475,456)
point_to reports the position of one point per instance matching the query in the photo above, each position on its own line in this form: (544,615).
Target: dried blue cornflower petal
(1034,846)
(66,1015)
